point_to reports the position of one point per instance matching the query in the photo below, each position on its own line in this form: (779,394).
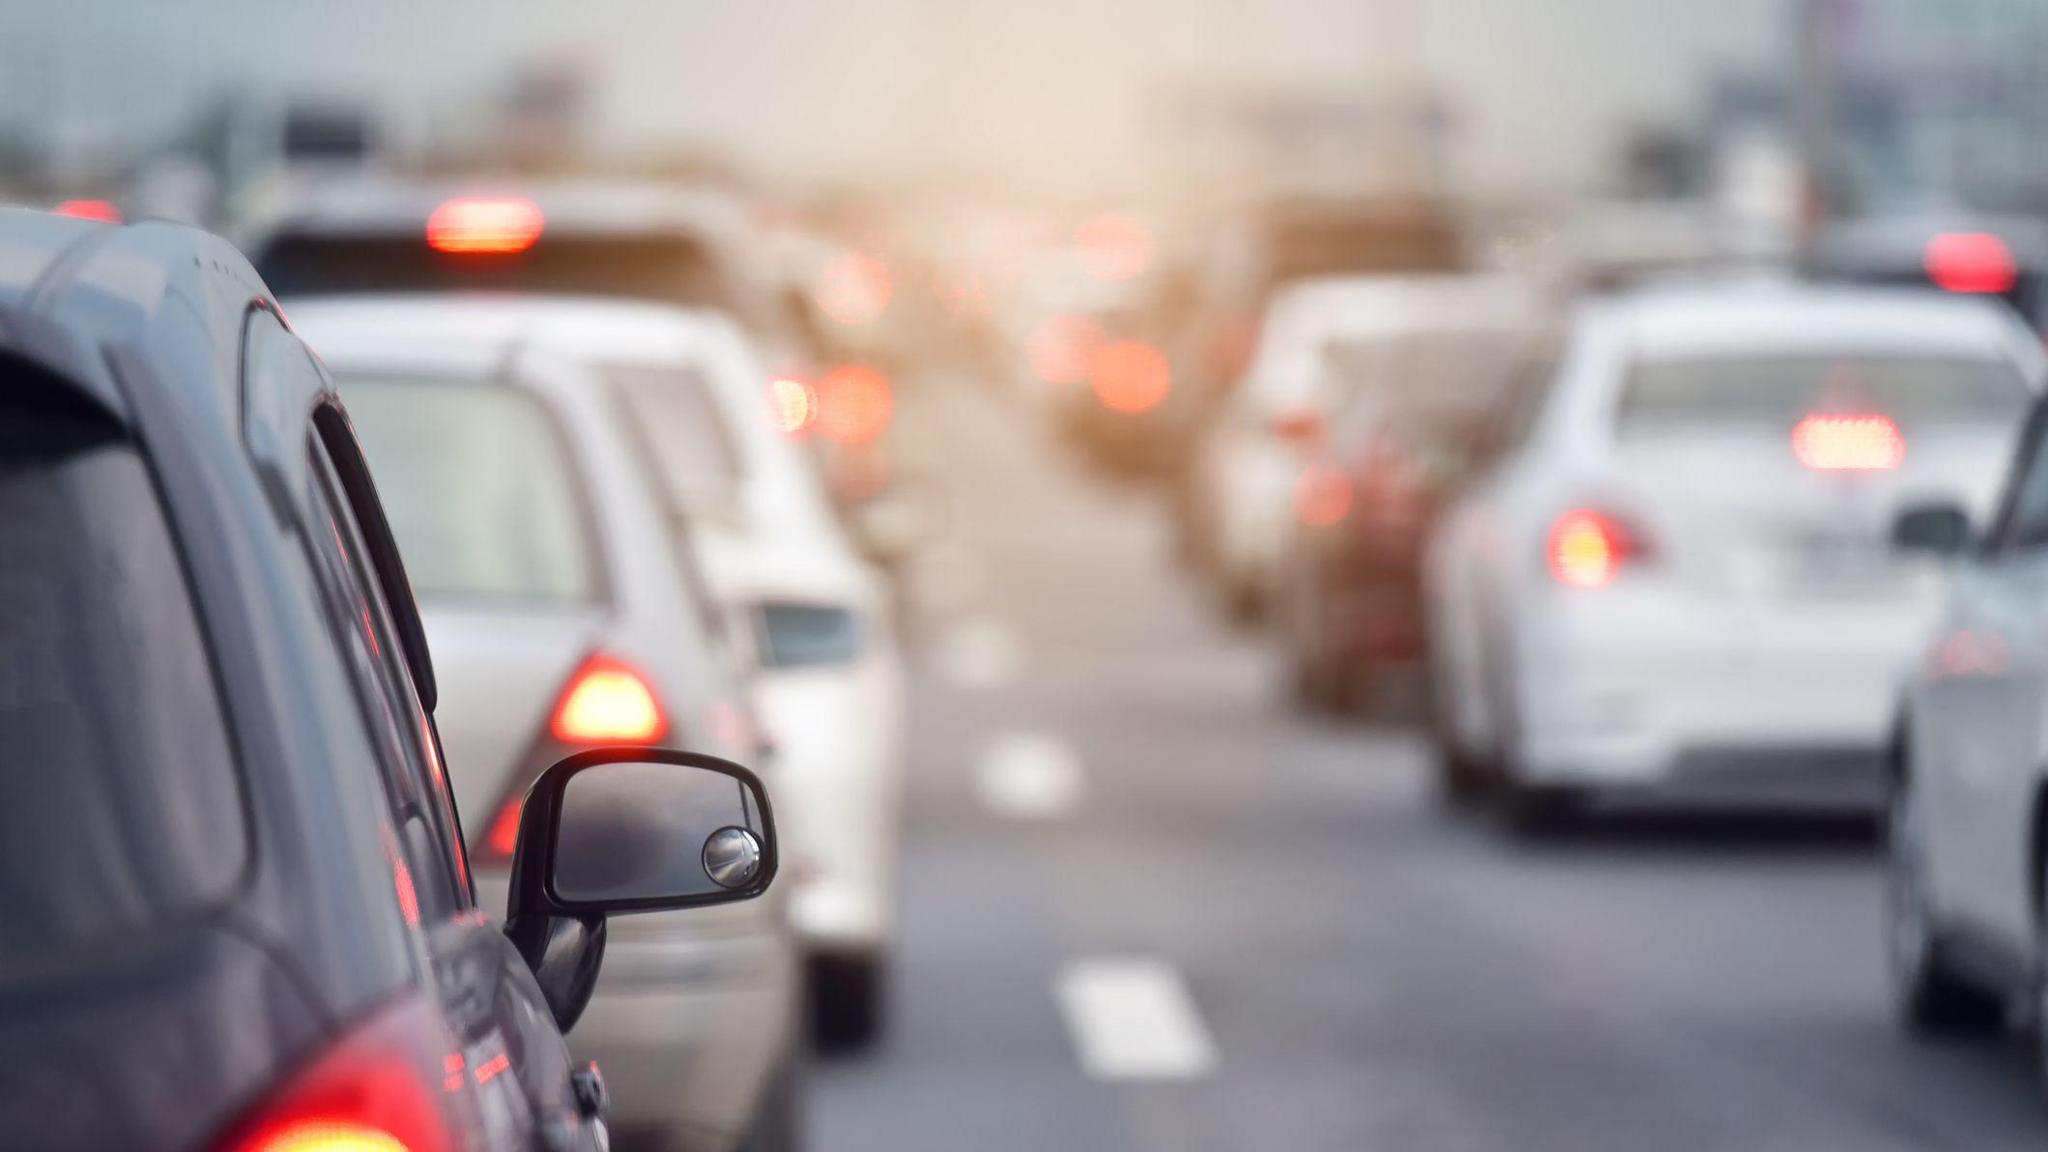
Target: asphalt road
(1147,906)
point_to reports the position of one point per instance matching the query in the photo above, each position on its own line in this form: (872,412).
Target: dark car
(239,914)
(1972,255)
(1412,431)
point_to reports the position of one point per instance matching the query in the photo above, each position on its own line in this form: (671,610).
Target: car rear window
(680,427)
(807,635)
(1429,383)
(1778,391)
(121,808)
(477,482)
(668,269)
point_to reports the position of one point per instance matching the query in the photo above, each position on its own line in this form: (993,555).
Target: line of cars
(241,910)
(572,396)
(1730,538)
(628,354)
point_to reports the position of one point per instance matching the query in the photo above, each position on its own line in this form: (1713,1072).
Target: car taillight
(100,210)
(792,404)
(1587,548)
(502,838)
(484,226)
(366,1092)
(607,701)
(1322,497)
(1976,263)
(1828,442)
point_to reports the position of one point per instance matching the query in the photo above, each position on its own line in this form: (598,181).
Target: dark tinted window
(120,807)
(2026,523)
(796,635)
(667,269)
(1777,392)
(479,489)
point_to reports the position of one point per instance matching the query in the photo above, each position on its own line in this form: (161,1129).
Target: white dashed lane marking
(1133,1019)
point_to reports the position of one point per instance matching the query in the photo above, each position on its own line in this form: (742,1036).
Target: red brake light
(101,210)
(484,225)
(1322,497)
(1829,442)
(854,404)
(503,835)
(1587,548)
(1973,262)
(607,702)
(1130,376)
(1303,428)
(365,1093)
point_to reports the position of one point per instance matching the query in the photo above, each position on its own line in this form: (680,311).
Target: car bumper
(1793,706)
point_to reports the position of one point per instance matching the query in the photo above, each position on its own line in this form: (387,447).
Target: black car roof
(72,290)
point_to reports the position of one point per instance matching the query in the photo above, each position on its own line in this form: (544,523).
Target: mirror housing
(1940,529)
(621,830)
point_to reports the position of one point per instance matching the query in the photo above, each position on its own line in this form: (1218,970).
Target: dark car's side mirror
(620,830)
(1937,529)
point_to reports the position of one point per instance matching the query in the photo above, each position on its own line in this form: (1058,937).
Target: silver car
(562,614)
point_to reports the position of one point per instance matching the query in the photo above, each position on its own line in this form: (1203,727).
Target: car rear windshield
(668,269)
(1779,391)
(1431,384)
(478,484)
(806,635)
(120,804)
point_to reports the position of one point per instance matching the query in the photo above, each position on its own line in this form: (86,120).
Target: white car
(1249,465)
(562,615)
(830,685)
(1968,811)
(1673,578)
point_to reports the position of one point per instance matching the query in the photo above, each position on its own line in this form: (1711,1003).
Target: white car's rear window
(478,486)
(1716,391)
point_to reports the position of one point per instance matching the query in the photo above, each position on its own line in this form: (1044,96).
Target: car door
(1987,736)
(509,1059)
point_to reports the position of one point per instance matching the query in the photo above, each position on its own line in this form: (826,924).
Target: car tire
(779,1120)
(847,994)
(1929,996)
(1536,811)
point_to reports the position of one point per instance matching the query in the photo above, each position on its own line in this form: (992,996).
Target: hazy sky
(1056,94)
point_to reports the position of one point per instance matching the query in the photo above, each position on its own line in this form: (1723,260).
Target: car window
(804,635)
(678,423)
(478,487)
(406,746)
(668,269)
(121,808)
(1520,405)
(1773,393)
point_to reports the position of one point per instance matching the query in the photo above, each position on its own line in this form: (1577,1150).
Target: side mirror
(1940,529)
(614,831)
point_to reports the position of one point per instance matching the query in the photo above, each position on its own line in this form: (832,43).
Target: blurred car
(2001,258)
(567,614)
(240,917)
(1249,465)
(1967,811)
(829,684)
(1672,578)
(687,246)
(1413,403)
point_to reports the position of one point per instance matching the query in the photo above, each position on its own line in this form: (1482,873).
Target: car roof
(376,204)
(1790,318)
(475,333)
(1369,304)
(72,290)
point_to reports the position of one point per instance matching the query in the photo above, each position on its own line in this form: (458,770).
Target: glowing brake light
(792,405)
(363,1094)
(101,210)
(1322,497)
(484,225)
(607,702)
(1848,443)
(1130,376)
(1971,262)
(855,404)
(502,838)
(1587,548)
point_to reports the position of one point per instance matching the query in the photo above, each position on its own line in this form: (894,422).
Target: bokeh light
(1130,376)
(855,404)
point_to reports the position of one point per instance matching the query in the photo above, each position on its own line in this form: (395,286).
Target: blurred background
(1385,507)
